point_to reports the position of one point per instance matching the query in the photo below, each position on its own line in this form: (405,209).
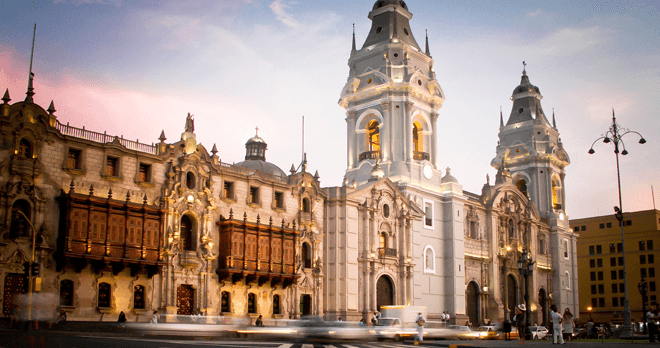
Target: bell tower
(391,99)
(531,150)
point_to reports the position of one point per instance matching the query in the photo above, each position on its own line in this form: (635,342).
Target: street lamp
(614,136)
(526,268)
(643,287)
(589,310)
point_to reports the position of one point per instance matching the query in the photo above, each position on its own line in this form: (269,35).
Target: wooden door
(472,299)
(384,292)
(15,284)
(185,299)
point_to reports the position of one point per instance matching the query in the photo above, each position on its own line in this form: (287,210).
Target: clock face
(428,172)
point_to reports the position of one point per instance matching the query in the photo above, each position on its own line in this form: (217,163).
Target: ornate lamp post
(614,136)
(643,287)
(589,309)
(526,268)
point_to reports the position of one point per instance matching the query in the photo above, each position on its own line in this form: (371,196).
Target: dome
(448,178)
(383,3)
(525,86)
(262,166)
(255,139)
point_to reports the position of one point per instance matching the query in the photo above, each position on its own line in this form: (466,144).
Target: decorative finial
(91,190)
(51,109)
(231,214)
(554,123)
(353,48)
(71,187)
(245,217)
(214,150)
(6,98)
(428,52)
(144,199)
(524,68)
(501,118)
(257,131)
(258,219)
(128,196)
(270,221)
(316,175)
(162,136)
(110,193)
(293,169)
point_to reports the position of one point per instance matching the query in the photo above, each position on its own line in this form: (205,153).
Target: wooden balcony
(369,155)
(421,156)
(386,252)
(257,253)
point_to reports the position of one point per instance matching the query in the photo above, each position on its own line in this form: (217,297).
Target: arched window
(511,229)
(225,302)
(25,149)
(20,227)
(104,295)
(474,230)
(382,241)
(252,303)
(418,139)
(542,246)
(522,186)
(66,292)
(373,136)
(568,280)
(190,180)
(306,207)
(138,297)
(556,194)
(429,259)
(186,233)
(276,304)
(307,255)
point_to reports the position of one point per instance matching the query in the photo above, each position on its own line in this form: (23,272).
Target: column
(386,132)
(351,136)
(407,128)
(433,150)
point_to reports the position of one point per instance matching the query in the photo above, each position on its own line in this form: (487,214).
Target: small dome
(525,86)
(262,166)
(383,3)
(255,139)
(448,178)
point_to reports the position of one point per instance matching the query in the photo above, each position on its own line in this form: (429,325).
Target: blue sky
(134,68)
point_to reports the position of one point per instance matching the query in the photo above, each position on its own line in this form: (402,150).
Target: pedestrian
(556,325)
(14,319)
(122,319)
(569,324)
(259,321)
(61,319)
(374,319)
(519,319)
(154,319)
(650,321)
(590,328)
(448,317)
(363,322)
(420,328)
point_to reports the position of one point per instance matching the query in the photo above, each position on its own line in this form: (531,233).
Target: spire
(501,119)
(51,109)
(524,80)
(6,98)
(30,90)
(162,136)
(214,150)
(554,123)
(353,48)
(428,53)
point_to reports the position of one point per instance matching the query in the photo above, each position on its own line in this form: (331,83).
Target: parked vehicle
(538,332)
(579,332)
(486,333)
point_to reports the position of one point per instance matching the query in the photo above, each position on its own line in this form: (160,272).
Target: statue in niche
(190,123)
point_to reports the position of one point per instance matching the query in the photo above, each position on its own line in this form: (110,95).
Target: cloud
(84,2)
(535,13)
(279,9)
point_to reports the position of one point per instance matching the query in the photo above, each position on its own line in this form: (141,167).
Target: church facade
(113,225)
(399,232)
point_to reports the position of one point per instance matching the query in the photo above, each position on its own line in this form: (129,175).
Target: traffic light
(35,269)
(26,268)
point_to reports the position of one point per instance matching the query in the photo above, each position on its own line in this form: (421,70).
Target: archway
(185,299)
(384,292)
(472,299)
(512,295)
(543,301)
(306,304)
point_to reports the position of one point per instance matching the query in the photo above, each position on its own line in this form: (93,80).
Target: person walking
(556,325)
(519,319)
(259,321)
(154,319)
(650,322)
(420,328)
(569,324)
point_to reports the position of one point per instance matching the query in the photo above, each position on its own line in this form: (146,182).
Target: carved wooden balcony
(369,155)
(386,252)
(421,156)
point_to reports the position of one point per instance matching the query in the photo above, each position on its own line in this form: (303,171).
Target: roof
(262,166)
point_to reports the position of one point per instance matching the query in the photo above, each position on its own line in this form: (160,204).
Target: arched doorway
(15,284)
(512,295)
(543,301)
(384,292)
(185,299)
(472,298)
(306,305)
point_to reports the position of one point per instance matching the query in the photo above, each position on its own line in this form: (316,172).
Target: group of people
(445,316)
(560,324)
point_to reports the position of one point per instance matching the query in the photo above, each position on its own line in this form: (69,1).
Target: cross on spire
(524,66)
(257,130)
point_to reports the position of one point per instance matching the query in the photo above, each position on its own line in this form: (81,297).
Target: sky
(136,68)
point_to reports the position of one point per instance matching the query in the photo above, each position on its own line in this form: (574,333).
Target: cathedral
(96,224)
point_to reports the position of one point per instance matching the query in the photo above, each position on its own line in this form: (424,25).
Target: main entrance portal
(384,292)
(15,284)
(472,298)
(185,299)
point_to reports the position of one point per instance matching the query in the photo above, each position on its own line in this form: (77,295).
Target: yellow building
(600,263)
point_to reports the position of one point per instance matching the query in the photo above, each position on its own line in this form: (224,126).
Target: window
(653,299)
(601,288)
(594,289)
(382,241)
(252,303)
(642,271)
(25,149)
(622,288)
(592,250)
(429,259)
(612,248)
(104,295)
(620,274)
(190,180)
(621,300)
(599,249)
(556,195)
(609,225)
(628,222)
(613,275)
(386,211)
(599,262)
(66,292)
(649,245)
(615,302)
(612,261)
(651,258)
(593,275)
(594,302)
(522,186)
(306,208)
(601,226)
(651,272)
(138,297)
(74,159)
(276,304)
(614,288)
(592,263)
(600,275)
(619,247)
(145,173)
(418,140)
(566,249)
(20,226)
(228,191)
(651,286)
(279,200)
(112,166)
(186,233)
(307,255)
(373,136)
(642,259)
(254,195)
(601,302)
(225,303)
(428,211)
(621,261)
(542,247)
(642,245)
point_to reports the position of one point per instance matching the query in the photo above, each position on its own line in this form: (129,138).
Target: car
(538,332)
(580,332)
(486,333)
(461,332)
